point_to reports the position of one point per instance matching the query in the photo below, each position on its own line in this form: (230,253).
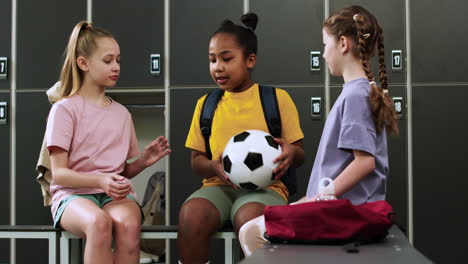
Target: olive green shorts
(228,200)
(100,199)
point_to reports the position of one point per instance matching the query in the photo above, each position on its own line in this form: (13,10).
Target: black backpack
(272,118)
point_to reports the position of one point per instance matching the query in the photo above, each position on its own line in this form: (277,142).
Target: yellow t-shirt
(237,112)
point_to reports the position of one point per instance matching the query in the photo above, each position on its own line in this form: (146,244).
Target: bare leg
(246,213)
(198,220)
(126,222)
(85,219)
(251,235)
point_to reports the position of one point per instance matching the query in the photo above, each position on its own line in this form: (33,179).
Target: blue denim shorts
(100,199)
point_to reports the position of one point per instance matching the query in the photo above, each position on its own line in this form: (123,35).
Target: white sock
(251,235)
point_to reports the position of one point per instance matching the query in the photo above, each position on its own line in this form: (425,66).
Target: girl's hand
(285,159)
(115,186)
(306,200)
(155,151)
(217,167)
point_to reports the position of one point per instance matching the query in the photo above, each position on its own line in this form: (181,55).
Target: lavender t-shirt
(350,126)
(99,140)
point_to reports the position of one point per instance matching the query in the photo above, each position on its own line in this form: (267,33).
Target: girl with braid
(353,147)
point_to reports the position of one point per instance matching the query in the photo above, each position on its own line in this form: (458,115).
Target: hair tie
(385,91)
(249,28)
(365,36)
(355,17)
(372,83)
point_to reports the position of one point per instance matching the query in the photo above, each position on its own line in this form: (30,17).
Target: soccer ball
(248,159)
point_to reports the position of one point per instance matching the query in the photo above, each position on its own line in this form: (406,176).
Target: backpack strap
(207,114)
(271,110)
(273,120)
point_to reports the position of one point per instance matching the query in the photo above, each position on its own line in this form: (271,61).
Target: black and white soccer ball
(248,159)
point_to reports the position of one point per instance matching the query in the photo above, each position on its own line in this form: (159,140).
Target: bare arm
(153,153)
(207,168)
(64,176)
(292,156)
(362,165)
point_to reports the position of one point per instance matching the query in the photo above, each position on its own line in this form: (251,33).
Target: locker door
(42,35)
(440,90)
(5,43)
(439,150)
(5,178)
(192,24)
(31,113)
(287,32)
(139,29)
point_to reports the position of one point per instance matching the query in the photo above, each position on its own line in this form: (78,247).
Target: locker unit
(284,45)
(42,38)
(139,30)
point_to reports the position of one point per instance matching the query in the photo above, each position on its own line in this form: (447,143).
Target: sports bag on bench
(328,222)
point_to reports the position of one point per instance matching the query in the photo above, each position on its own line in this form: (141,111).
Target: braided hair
(363,29)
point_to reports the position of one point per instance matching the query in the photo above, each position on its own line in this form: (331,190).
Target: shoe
(145,257)
(148,258)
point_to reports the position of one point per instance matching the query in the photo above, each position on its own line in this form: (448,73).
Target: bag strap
(207,115)
(271,110)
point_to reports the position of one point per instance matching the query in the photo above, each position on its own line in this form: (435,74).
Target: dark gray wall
(5,180)
(192,23)
(282,59)
(5,38)
(440,89)
(139,30)
(391,17)
(42,35)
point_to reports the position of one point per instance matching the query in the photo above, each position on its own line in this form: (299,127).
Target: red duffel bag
(336,221)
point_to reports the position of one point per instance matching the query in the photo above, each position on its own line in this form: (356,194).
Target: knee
(129,228)
(127,235)
(198,216)
(99,228)
(246,213)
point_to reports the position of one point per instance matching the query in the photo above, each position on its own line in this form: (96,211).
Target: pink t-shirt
(99,140)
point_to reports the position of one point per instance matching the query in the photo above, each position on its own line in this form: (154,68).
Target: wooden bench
(155,232)
(34,232)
